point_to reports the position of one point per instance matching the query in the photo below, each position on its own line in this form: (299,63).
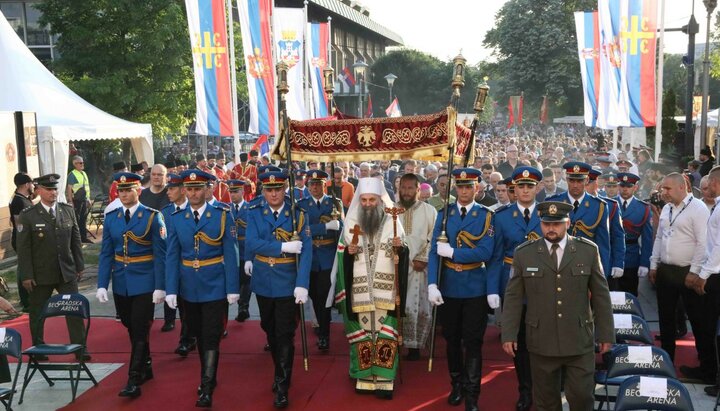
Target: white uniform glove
(292,247)
(248,268)
(333,225)
(445,250)
(642,272)
(301,295)
(102,295)
(616,272)
(171,301)
(233,298)
(434,295)
(493,301)
(158,296)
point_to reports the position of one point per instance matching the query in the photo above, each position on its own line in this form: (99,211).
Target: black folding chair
(11,346)
(97,212)
(630,399)
(61,305)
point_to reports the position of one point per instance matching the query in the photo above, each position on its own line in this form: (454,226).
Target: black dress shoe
(182,350)
(204,400)
(266,347)
(323,343)
(281,400)
(130,391)
(168,326)
(242,316)
(712,391)
(224,334)
(384,394)
(413,354)
(695,373)
(524,402)
(456,395)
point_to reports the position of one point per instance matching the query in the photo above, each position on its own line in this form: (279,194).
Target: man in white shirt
(678,253)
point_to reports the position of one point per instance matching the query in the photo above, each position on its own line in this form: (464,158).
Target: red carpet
(245,373)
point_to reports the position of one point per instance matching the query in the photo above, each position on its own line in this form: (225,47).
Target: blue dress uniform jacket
(240,219)
(591,221)
(211,246)
(274,272)
(638,233)
(472,239)
(301,194)
(617,233)
(324,242)
(510,231)
(133,253)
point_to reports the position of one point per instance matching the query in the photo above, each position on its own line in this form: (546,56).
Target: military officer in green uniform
(49,253)
(568,307)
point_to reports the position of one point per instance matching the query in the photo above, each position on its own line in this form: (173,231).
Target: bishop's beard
(370,218)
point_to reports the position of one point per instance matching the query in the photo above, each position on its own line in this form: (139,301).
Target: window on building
(24,17)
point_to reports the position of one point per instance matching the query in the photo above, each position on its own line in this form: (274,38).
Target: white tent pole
(233,83)
(661,59)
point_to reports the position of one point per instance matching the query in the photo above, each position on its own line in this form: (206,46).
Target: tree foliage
(130,58)
(423,84)
(536,49)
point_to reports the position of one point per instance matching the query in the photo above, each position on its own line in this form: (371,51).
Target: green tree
(423,83)
(536,49)
(130,58)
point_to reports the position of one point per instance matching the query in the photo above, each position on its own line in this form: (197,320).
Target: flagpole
(659,106)
(306,66)
(233,83)
(276,120)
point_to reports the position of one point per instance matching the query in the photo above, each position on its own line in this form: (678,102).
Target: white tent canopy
(62,115)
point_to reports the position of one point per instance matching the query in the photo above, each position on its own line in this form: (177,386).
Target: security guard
(300,190)
(465,284)
(239,210)
(259,199)
(202,273)
(611,185)
(514,225)
(133,255)
(281,273)
(560,279)
(637,218)
(617,232)
(510,189)
(49,255)
(589,217)
(323,219)
(178,201)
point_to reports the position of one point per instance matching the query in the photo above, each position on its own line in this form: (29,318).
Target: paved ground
(40,396)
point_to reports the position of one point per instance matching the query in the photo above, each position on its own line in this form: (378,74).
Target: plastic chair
(12,346)
(631,306)
(97,211)
(629,398)
(639,333)
(620,368)
(61,305)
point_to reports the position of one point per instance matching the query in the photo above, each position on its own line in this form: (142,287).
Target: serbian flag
(588,36)
(255,17)
(208,40)
(319,38)
(261,145)
(628,32)
(515,111)
(393,110)
(347,77)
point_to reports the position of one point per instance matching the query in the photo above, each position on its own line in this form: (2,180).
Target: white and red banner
(289,34)
(393,110)
(588,36)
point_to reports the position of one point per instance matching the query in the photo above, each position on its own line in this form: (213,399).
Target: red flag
(518,121)
(369,111)
(511,113)
(544,111)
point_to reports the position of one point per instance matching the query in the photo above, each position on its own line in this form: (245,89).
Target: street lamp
(390,78)
(710,6)
(360,67)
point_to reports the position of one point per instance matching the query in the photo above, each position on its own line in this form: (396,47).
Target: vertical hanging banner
(289,33)
(255,17)
(515,111)
(208,39)
(628,33)
(588,36)
(317,51)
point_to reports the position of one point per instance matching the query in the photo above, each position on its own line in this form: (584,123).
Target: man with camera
(678,252)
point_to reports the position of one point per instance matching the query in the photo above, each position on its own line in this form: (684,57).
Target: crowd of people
(200,235)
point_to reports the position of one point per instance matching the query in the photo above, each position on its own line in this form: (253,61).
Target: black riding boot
(455,366)
(471,389)
(135,375)
(283,373)
(209,378)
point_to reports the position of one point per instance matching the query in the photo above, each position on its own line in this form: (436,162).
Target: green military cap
(48,180)
(554,211)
